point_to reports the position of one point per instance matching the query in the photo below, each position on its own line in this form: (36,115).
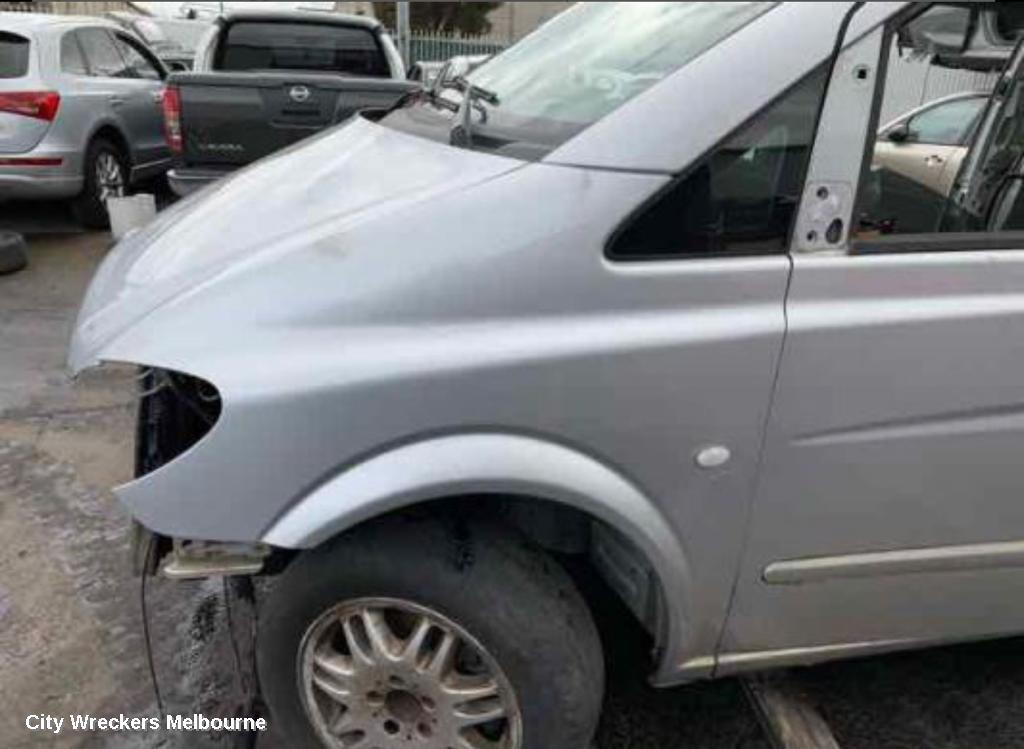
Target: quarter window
(739,200)
(139,66)
(71,59)
(104,59)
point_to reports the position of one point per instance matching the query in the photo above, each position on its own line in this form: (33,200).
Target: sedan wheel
(106,176)
(110,177)
(384,672)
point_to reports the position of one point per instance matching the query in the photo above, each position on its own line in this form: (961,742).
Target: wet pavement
(70,630)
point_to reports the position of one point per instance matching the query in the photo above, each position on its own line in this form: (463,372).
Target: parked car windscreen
(13,55)
(579,67)
(257,45)
(946,124)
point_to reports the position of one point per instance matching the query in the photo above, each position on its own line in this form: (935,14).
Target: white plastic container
(131,212)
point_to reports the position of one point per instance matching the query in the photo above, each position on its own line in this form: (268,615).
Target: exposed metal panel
(827,205)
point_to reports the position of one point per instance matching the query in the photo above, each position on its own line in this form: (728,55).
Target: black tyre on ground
(427,633)
(106,173)
(13,253)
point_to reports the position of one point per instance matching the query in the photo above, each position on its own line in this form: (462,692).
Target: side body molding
(510,464)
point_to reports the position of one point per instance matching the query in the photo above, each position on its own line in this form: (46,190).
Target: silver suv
(640,309)
(80,111)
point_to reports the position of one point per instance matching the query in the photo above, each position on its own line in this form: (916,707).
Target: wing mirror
(900,133)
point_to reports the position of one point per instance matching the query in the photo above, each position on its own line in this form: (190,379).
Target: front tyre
(424,635)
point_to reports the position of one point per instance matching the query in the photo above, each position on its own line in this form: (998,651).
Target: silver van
(641,307)
(80,111)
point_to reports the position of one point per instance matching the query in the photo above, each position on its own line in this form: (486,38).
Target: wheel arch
(525,469)
(110,131)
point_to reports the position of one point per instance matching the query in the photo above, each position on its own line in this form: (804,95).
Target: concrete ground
(70,630)
(69,611)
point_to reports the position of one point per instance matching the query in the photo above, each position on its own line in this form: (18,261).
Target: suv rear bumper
(32,180)
(186,180)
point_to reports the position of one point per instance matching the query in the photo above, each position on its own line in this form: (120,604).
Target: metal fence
(441,46)
(71,7)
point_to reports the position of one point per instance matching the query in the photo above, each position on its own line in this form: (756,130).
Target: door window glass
(104,59)
(138,64)
(71,59)
(742,198)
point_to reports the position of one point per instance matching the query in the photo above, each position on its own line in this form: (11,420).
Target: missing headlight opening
(176,410)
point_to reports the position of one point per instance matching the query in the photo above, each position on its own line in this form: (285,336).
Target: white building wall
(911,82)
(514,20)
(355,8)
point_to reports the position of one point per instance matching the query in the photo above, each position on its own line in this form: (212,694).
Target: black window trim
(687,171)
(938,242)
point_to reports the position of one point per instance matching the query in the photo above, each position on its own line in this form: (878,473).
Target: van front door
(889,508)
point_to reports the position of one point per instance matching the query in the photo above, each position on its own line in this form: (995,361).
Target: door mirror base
(899,134)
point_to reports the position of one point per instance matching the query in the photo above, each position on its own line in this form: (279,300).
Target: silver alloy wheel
(110,181)
(381,673)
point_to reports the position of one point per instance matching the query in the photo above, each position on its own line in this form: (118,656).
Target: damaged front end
(249,310)
(175,411)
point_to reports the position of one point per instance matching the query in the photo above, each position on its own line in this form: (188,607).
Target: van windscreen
(585,63)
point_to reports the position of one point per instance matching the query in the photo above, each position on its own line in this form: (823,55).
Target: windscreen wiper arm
(474,91)
(472,96)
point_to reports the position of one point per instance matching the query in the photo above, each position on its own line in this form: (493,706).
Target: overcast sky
(174,9)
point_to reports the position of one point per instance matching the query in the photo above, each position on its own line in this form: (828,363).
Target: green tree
(466,17)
